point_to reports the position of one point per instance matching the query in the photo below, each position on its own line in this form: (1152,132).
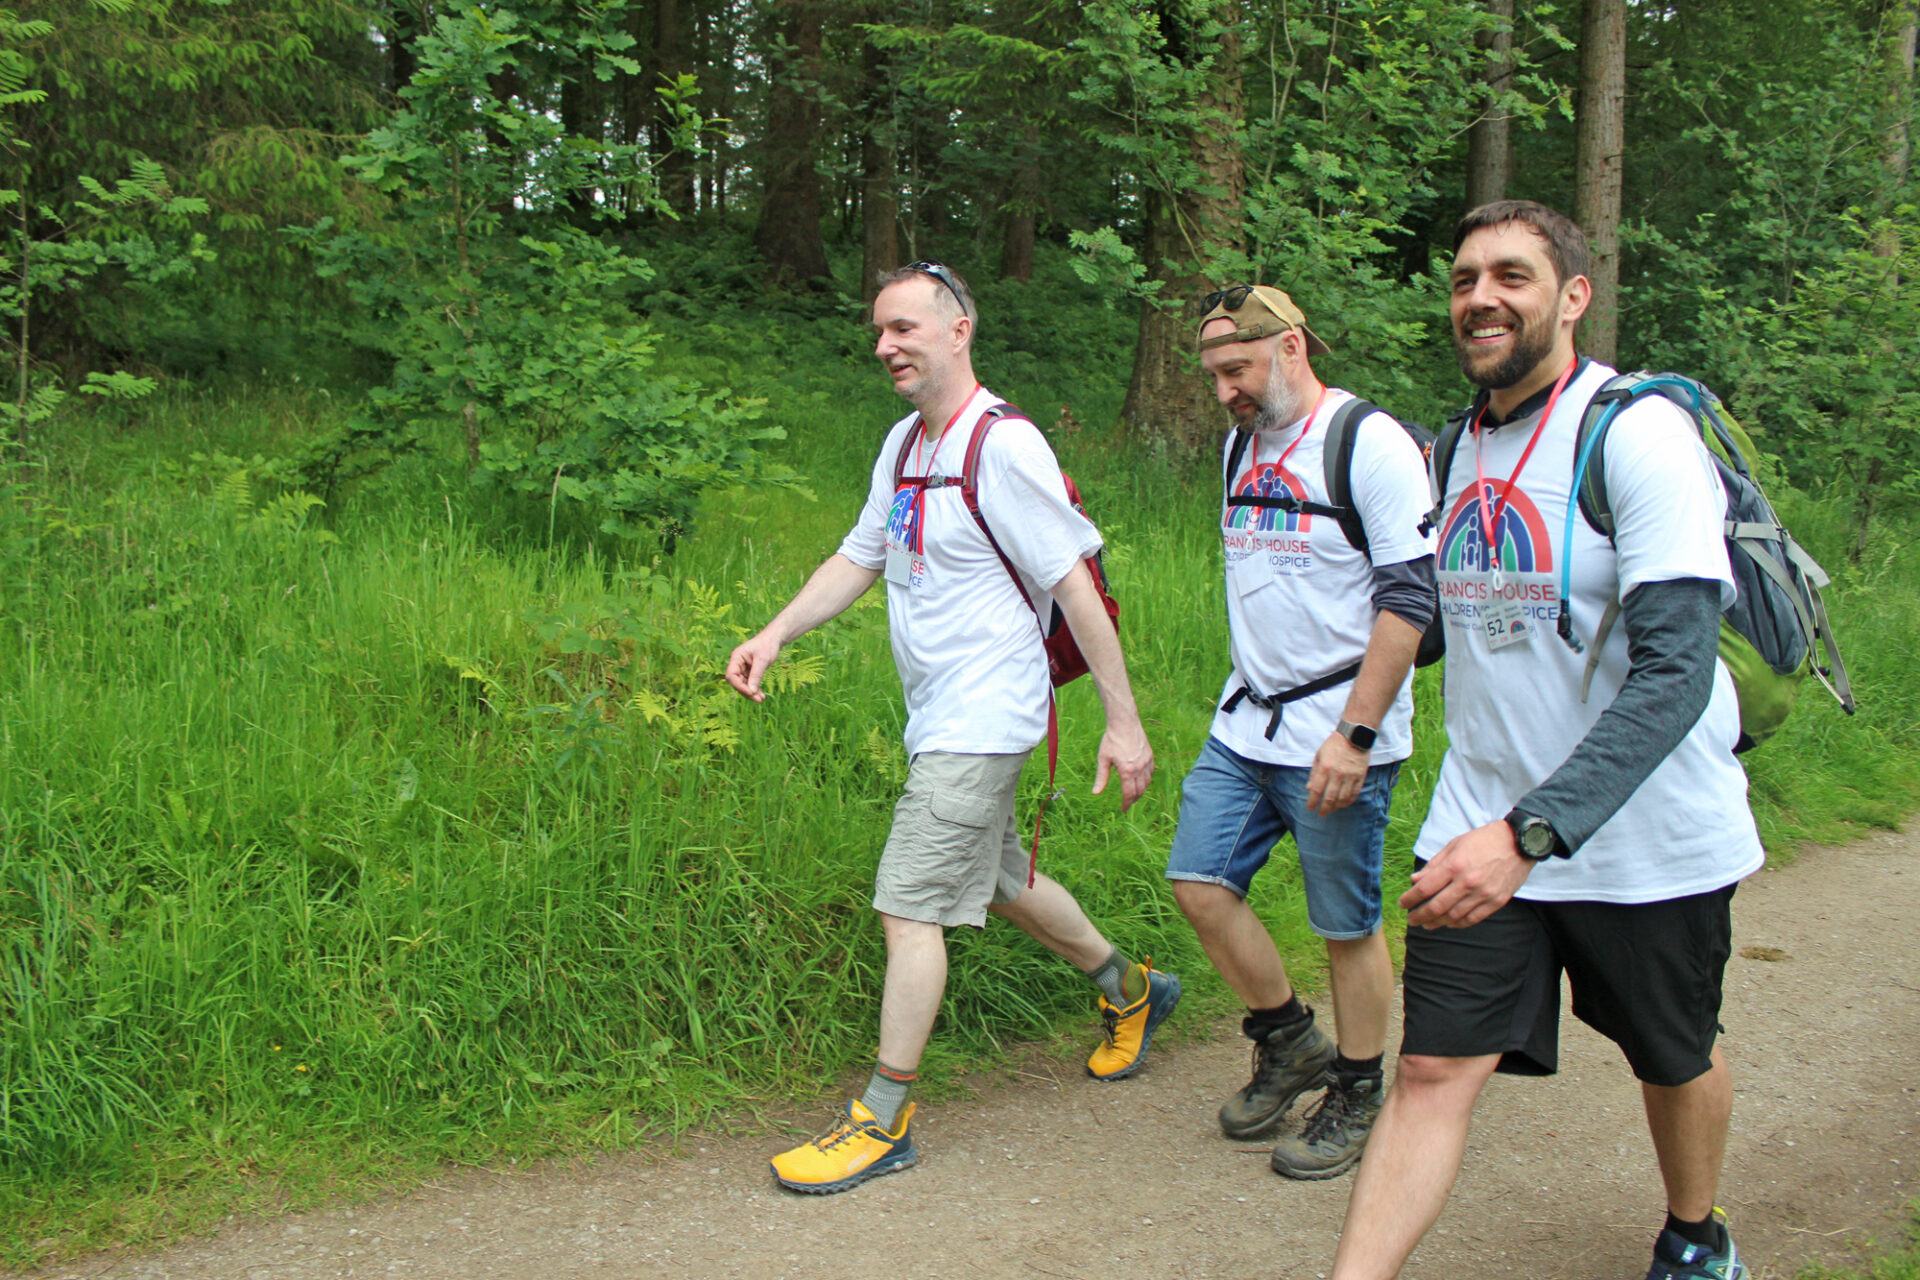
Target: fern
(886,752)
(796,672)
(234,492)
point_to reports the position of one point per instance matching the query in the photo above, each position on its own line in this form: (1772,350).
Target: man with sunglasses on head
(967,643)
(1595,830)
(1325,609)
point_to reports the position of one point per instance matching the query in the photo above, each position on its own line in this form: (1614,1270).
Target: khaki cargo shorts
(953,848)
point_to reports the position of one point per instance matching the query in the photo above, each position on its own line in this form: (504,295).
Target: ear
(962,333)
(1575,297)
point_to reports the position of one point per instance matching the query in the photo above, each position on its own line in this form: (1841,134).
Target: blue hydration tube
(1579,477)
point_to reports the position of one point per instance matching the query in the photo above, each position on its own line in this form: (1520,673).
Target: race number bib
(1250,572)
(905,569)
(1505,620)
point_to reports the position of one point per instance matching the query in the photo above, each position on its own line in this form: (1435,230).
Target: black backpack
(1337,461)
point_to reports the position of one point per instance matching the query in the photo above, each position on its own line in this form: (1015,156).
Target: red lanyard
(1490,514)
(1281,461)
(920,490)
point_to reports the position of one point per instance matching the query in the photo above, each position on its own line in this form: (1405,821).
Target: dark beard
(1531,345)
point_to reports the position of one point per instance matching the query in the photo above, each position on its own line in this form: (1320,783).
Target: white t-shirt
(1300,596)
(967,646)
(1514,713)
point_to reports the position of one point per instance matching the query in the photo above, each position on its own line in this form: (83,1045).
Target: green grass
(337,844)
(1901,1262)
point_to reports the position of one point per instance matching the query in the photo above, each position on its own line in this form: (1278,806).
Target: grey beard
(1279,408)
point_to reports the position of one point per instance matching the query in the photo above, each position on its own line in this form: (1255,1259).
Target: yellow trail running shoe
(854,1149)
(1129,1031)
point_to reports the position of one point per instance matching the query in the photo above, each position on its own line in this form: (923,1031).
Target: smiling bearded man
(1589,817)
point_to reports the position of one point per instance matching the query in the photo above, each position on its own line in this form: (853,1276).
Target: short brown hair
(1566,242)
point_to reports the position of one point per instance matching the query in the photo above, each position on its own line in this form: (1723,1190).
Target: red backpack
(1065,662)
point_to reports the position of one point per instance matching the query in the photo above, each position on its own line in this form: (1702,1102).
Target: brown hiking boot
(1335,1133)
(1288,1062)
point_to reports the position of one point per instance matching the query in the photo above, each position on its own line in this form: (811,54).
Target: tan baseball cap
(1257,311)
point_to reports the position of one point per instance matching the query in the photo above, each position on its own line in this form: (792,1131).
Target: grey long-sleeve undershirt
(1672,637)
(1407,590)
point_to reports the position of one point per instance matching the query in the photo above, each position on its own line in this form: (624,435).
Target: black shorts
(1646,976)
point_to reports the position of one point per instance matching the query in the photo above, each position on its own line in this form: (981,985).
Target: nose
(1482,296)
(1223,390)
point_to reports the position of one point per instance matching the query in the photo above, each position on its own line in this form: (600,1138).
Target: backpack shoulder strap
(970,468)
(1617,393)
(1236,449)
(1440,463)
(1590,448)
(1336,460)
(970,490)
(906,447)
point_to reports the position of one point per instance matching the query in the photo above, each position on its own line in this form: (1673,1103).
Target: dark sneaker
(1677,1258)
(1127,1032)
(1285,1064)
(1335,1133)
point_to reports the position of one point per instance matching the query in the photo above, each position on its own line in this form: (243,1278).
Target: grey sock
(886,1093)
(1110,976)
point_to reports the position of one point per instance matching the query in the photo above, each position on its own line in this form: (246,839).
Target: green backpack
(1777,626)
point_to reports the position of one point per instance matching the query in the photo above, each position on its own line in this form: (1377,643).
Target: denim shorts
(1233,812)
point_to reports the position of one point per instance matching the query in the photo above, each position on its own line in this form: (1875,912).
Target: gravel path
(1046,1173)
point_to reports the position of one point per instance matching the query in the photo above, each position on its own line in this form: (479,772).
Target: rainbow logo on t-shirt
(1268,480)
(1524,547)
(903,519)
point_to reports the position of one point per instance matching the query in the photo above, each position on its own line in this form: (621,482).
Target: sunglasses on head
(939,272)
(1232,299)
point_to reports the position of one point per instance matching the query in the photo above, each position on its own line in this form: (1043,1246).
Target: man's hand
(1125,748)
(1339,771)
(750,662)
(1467,881)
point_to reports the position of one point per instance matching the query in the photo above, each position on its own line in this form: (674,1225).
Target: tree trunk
(1022,209)
(879,209)
(788,235)
(1186,232)
(670,62)
(879,169)
(505,85)
(716,94)
(1490,142)
(1599,141)
(1897,145)
(580,117)
(400,25)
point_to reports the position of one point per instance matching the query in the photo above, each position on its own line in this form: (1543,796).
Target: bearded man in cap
(1326,605)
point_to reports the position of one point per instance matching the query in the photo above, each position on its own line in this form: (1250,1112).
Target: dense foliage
(407,406)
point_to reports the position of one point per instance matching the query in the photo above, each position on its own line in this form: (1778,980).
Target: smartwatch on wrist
(1536,837)
(1359,735)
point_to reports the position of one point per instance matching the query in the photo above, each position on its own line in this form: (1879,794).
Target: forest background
(408,406)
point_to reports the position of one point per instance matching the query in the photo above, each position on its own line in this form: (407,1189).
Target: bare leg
(916,979)
(1689,1125)
(1048,914)
(1361,974)
(1237,943)
(1412,1160)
